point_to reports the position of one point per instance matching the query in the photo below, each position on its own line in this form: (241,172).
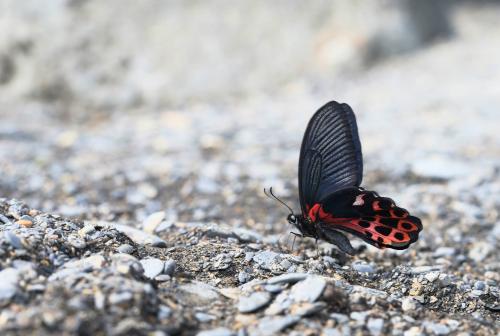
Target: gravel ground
(152,220)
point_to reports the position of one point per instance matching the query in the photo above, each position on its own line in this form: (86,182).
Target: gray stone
(425,269)
(203,317)
(247,236)
(152,267)
(309,289)
(125,248)
(120,298)
(366,291)
(140,237)
(287,278)
(363,268)
(432,276)
(216,332)
(127,264)
(76,242)
(272,325)
(153,221)
(163,277)
(409,304)
(254,302)
(93,262)
(13,240)
(169,267)
(437,328)
(265,259)
(243,277)
(480,285)
(202,290)
(340,318)
(444,251)
(375,326)
(8,284)
(275,289)
(307,308)
(480,251)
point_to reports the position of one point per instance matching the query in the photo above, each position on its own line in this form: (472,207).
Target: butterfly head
(292,219)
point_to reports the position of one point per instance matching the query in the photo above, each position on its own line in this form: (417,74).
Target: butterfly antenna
(272,195)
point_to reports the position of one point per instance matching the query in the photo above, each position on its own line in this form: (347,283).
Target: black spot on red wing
(380,239)
(385,203)
(392,222)
(364,224)
(384,213)
(399,236)
(383,230)
(407,226)
(399,212)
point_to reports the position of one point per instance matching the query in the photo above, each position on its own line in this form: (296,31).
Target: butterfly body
(331,199)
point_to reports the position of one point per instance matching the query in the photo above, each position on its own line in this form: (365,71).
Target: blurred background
(117,109)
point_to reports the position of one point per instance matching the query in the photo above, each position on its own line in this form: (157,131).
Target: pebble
(409,304)
(152,267)
(340,318)
(254,302)
(216,332)
(367,291)
(94,262)
(480,251)
(120,298)
(203,317)
(269,326)
(375,326)
(432,276)
(308,290)
(140,237)
(307,308)
(425,269)
(480,285)
(76,242)
(265,259)
(247,236)
(244,277)
(163,277)
(25,221)
(125,248)
(436,328)
(444,251)
(127,264)
(13,240)
(169,267)
(363,268)
(287,278)
(202,290)
(275,289)
(8,285)
(153,221)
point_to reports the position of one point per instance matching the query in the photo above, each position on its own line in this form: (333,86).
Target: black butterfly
(330,174)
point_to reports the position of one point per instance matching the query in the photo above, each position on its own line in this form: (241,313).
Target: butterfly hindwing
(365,214)
(330,156)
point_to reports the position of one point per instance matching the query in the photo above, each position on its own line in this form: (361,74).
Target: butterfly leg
(295,235)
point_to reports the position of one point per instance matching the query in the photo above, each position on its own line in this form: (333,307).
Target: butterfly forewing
(330,156)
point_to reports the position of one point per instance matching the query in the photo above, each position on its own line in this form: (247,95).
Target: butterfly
(331,199)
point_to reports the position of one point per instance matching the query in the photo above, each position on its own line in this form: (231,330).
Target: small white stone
(375,326)
(152,267)
(409,304)
(152,221)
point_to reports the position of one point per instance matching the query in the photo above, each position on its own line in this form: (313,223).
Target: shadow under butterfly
(331,199)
